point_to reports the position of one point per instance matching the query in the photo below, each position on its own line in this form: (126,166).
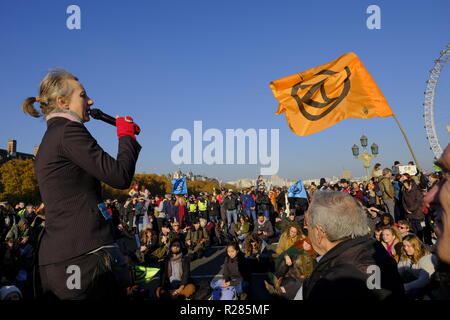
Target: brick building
(11,153)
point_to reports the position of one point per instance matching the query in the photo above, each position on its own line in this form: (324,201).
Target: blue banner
(179,186)
(297,190)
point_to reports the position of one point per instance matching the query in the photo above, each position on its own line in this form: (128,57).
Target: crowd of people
(168,232)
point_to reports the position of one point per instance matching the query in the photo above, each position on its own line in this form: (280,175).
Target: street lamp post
(365,157)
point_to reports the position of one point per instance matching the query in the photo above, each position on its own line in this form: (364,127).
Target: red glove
(126,127)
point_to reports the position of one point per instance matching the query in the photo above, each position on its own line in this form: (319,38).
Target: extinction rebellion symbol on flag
(327,101)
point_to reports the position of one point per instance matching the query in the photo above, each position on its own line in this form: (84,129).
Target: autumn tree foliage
(18,182)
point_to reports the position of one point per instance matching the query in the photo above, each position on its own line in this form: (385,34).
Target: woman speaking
(78,257)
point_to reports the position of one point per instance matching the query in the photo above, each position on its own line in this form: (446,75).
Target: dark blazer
(69,167)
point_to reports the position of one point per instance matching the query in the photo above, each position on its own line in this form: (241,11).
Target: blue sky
(168,63)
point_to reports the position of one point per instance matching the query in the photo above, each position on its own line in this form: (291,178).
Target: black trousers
(97,276)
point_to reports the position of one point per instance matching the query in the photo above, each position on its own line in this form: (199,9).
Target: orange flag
(320,97)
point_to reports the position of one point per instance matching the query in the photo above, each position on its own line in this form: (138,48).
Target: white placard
(411,170)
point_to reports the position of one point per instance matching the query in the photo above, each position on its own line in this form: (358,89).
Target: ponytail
(28,107)
(53,85)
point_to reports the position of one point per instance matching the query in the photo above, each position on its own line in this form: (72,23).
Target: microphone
(97,114)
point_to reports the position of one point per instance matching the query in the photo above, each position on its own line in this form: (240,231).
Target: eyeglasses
(400,227)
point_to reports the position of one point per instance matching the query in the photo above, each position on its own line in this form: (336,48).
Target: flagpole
(407,142)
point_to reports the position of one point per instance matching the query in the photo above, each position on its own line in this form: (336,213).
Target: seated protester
(178,232)
(197,240)
(255,250)
(222,234)
(370,196)
(149,243)
(392,241)
(281,223)
(165,238)
(357,193)
(19,232)
(9,258)
(263,227)
(29,214)
(373,220)
(416,266)
(289,237)
(203,222)
(175,282)
(242,227)
(236,275)
(377,234)
(153,224)
(299,247)
(127,243)
(290,275)
(404,228)
(210,227)
(386,220)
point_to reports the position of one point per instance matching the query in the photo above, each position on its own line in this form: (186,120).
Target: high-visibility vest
(202,205)
(192,207)
(21,212)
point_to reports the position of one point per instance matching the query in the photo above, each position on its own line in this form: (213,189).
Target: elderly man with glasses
(352,265)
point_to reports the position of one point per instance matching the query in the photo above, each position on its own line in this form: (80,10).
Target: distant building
(271,181)
(189,176)
(10,153)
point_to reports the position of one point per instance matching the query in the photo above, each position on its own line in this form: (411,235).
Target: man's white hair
(339,215)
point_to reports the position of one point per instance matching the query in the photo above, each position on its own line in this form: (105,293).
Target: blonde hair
(395,232)
(53,85)
(419,249)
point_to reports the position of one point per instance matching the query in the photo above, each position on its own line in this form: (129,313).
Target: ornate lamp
(374,149)
(363,140)
(355,150)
